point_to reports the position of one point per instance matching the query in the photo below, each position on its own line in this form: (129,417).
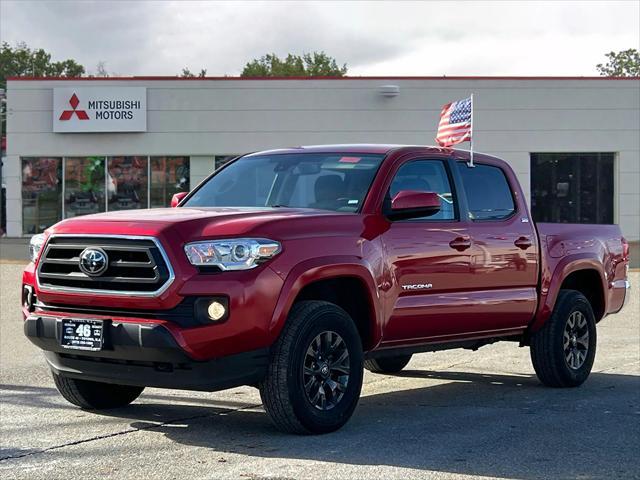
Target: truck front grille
(135,266)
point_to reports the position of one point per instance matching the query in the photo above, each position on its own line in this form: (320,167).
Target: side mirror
(413,204)
(177,198)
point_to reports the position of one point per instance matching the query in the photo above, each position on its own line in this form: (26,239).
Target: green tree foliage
(625,63)
(22,61)
(186,73)
(316,64)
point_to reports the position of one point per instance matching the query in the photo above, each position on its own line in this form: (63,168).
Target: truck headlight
(232,254)
(35,244)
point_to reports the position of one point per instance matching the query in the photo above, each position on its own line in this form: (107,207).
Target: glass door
(169,175)
(572,187)
(41,193)
(127,183)
(84,186)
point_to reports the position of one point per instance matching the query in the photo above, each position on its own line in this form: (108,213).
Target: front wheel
(95,395)
(563,351)
(315,374)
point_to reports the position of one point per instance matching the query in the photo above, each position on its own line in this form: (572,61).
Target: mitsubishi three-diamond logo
(67,114)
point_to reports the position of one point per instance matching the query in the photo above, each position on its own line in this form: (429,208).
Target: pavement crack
(124,432)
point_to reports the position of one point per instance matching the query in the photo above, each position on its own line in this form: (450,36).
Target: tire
(291,390)
(561,355)
(387,364)
(95,395)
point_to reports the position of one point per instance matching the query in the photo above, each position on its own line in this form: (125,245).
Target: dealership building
(80,146)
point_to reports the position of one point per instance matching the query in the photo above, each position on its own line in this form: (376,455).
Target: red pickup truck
(292,270)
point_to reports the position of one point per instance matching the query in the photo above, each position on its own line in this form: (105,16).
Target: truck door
(504,255)
(429,258)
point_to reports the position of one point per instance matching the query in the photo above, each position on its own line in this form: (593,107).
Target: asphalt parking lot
(454,414)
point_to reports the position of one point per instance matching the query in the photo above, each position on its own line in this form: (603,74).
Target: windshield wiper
(277,205)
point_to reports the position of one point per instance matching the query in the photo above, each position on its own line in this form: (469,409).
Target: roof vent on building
(389,90)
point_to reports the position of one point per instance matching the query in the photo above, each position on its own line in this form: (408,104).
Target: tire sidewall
(329,318)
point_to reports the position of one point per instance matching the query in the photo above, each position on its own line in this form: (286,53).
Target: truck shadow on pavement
(471,423)
(465,423)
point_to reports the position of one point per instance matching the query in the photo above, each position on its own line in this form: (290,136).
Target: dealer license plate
(82,334)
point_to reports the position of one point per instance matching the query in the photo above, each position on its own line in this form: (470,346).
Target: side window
(428,176)
(488,193)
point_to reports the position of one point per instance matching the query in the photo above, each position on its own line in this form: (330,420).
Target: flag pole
(471,132)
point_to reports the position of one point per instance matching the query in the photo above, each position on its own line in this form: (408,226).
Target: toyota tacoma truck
(293,270)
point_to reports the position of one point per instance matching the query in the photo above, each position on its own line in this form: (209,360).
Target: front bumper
(143,355)
(252,296)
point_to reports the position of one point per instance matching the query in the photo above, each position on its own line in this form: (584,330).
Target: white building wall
(203,118)
(200,168)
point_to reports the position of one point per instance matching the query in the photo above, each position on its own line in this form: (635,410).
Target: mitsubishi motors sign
(100,109)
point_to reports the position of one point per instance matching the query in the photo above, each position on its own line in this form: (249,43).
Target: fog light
(216,310)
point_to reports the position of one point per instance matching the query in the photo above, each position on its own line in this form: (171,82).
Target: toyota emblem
(93,261)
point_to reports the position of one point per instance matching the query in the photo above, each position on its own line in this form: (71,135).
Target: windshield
(337,182)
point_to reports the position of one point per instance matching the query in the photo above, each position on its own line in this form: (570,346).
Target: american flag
(455,123)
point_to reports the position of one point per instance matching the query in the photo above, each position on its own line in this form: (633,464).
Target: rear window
(488,193)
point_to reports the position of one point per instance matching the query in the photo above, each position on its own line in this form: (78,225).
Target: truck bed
(568,247)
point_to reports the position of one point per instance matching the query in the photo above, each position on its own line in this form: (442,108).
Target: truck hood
(196,223)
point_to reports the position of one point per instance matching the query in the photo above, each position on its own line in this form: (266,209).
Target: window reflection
(84,186)
(222,160)
(169,175)
(127,182)
(41,193)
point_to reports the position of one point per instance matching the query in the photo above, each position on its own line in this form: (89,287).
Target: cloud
(373,38)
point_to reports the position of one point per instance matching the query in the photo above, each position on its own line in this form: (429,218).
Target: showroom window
(572,187)
(41,193)
(83,186)
(127,183)
(55,188)
(169,175)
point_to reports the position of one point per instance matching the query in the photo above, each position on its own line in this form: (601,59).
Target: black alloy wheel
(326,370)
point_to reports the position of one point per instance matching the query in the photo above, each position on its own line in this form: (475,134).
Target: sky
(372,38)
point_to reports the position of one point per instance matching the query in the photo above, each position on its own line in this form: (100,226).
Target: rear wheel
(563,351)
(95,395)
(387,364)
(315,373)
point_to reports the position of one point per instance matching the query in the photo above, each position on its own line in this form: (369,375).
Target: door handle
(460,243)
(523,243)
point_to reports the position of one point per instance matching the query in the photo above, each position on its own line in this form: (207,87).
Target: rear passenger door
(504,255)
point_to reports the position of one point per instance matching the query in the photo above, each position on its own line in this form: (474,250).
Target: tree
(625,63)
(186,73)
(316,64)
(22,61)
(101,69)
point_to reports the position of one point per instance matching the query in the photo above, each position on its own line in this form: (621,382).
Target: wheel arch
(346,281)
(582,273)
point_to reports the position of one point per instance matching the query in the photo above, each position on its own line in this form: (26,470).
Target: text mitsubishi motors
(103,109)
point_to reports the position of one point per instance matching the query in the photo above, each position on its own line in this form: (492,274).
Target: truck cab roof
(383,149)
